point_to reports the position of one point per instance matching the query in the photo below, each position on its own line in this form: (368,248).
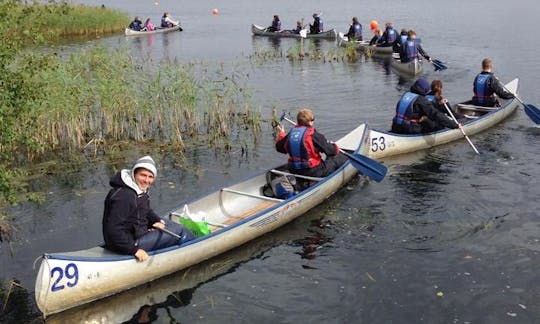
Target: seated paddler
(304,145)
(130,226)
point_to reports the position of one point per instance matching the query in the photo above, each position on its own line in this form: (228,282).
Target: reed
(54,19)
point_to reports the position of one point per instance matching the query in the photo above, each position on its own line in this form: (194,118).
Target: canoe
(384,144)
(364,46)
(237,214)
(261,31)
(411,68)
(131,32)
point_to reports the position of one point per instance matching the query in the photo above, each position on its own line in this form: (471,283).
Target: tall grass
(52,20)
(105,96)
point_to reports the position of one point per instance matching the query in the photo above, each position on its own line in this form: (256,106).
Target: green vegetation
(56,106)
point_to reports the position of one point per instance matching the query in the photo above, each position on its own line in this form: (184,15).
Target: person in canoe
(416,114)
(148,25)
(435,96)
(402,39)
(167,21)
(130,226)
(389,36)
(355,30)
(317,26)
(377,36)
(412,49)
(136,24)
(304,145)
(275,26)
(486,86)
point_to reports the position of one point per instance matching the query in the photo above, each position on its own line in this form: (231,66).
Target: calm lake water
(448,237)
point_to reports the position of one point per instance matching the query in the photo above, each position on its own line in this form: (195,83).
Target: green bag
(197,228)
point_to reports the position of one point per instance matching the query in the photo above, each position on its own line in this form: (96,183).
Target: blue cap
(422,84)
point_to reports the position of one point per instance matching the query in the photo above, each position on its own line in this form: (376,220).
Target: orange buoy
(215,11)
(373,24)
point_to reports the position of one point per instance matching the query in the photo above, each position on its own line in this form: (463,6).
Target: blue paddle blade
(368,167)
(533,113)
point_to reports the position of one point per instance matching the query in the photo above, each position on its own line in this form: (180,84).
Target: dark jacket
(422,107)
(126,217)
(493,86)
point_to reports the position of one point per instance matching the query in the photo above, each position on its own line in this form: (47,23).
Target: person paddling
(304,145)
(415,114)
(486,86)
(411,49)
(355,30)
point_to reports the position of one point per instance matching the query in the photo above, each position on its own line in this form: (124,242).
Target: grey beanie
(147,163)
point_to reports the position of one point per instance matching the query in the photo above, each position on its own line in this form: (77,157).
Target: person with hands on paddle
(486,86)
(130,226)
(412,49)
(435,96)
(416,114)
(304,145)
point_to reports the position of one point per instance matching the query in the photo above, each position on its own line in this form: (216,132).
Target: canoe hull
(385,144)
(364,46)
(413,67)
(261,31)
(69,279)
(131,32)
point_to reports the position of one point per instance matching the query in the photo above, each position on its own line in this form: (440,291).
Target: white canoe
(131,32)
(364,46)
(69,279)
(261,31)
(384,144)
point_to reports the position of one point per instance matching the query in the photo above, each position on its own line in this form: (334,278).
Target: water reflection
(143,303)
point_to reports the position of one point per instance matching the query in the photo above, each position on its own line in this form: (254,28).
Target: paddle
(164,230)
(368,167)
(460,127)
(530,110)
(439,65)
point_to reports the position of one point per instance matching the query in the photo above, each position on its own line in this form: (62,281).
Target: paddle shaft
(164,230)
(460,127)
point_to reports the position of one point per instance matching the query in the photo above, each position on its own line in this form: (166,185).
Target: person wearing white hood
(130,226)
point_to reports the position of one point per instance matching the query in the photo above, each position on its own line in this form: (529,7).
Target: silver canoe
(239,213)
(413,67)
(261,31)
(384,144)
(131,32)
(364,46)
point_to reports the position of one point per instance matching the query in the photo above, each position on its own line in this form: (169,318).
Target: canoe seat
(473,110)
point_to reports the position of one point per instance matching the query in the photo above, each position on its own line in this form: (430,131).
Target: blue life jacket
(403,38)
(296,144)
(411,49)
(404,108)
(481,92)
(276,24)
(391,35)
(430,98)
(164,22)
(136,25)
(358,31)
